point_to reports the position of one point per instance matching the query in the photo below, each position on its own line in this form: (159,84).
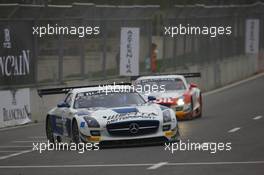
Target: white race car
(173,91)
(91,115)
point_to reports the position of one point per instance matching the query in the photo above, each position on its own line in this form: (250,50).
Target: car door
(195,96)
(66,116)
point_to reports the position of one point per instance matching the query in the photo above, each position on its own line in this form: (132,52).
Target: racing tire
(201,107)
(178,135)
(49,130)
(192,112)
(75,132)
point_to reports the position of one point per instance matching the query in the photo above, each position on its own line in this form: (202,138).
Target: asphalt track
(233,115)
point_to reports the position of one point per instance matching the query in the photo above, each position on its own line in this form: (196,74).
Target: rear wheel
(49,130)
(75,132)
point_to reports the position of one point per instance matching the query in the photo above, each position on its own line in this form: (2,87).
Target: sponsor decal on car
(129,116)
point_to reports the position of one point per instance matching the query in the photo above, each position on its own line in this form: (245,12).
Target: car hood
(167,94)
(147,111)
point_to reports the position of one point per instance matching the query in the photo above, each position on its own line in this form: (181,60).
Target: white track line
(37,137)
(129,165)
(158,165)
(74,166)
(215,163)
(10,151)
(257,118)
(234,130)
(16,146)
(20,126)
(15,154)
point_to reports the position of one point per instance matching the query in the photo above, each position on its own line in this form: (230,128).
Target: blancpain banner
(129,52)
(252,36)
(16,53)
(12,65)
(14,107)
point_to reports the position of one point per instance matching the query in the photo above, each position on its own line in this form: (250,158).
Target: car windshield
(169,84)
(92,100)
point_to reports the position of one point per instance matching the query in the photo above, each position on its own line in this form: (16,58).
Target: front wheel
(75,132)
(49,130)
(192,112)
(201,107)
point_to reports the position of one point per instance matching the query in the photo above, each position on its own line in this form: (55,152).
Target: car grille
(165,104)
(179,108)
(133,128)
(133,142)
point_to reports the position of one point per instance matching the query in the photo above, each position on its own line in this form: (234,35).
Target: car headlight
(180,102)
(187,107)
(166,116)
(91,122)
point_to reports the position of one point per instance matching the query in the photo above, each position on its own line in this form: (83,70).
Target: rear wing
(186,75)
(65,90)
(191,75)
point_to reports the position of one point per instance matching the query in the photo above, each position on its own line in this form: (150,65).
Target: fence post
(104,40)
(82,55)
(35,55)
(61,53)
(174,51)
(150,41)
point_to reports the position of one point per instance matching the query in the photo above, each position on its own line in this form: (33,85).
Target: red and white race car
(173,91)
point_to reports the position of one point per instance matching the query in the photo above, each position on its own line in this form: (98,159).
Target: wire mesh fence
(59,58)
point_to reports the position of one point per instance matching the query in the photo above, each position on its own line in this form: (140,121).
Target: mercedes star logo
(133,128)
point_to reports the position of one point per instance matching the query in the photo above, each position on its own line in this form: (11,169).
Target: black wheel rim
(75,132)
(49,131)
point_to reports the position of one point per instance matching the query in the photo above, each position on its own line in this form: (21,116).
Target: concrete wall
(214,75)
(221,73)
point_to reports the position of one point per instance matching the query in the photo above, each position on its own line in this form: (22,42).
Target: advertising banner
(129,52)
(16,48)
(14,107)
(252,36)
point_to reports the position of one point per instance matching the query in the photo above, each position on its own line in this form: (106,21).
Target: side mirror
(192,85)
(63,105)
(151,98)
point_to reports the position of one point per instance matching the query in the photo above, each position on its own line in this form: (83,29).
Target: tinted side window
(68,98)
